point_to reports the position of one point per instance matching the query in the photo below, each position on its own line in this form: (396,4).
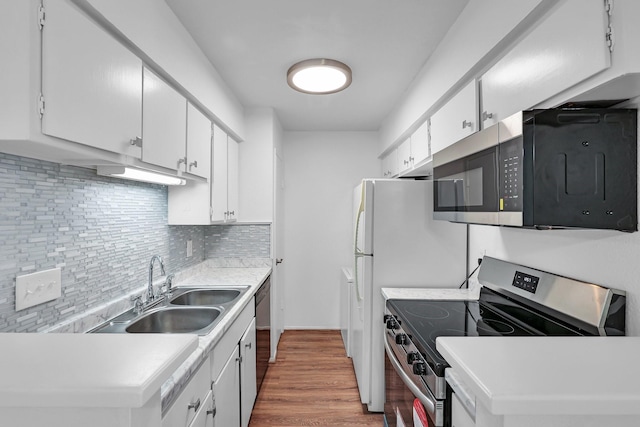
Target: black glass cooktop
(493,315)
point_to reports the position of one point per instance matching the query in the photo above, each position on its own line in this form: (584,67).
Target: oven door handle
(428,403)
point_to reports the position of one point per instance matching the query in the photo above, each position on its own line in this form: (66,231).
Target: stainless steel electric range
(514,301)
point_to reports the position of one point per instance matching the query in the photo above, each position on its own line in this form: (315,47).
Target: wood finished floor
(312,383)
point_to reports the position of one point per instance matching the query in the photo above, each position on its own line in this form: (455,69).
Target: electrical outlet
(36,288)
(189,248)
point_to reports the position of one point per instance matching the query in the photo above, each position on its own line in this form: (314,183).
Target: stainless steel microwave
(543,169)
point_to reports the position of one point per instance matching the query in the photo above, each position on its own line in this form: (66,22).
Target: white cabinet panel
(219,176)
(565,48)
(404,156)
(232,179)
(456,119)
(420,144)
(92,85)
(459,416)
(248,387)
(226,392)
(198,143)
(390,164)
(164,124)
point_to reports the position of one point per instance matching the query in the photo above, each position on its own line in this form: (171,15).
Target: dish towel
(419,415)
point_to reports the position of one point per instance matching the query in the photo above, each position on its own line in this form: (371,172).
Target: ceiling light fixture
(134,174)
(319,76)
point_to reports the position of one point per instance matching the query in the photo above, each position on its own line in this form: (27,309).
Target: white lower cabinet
(191,400)
(226,391)
(205,415)
(248,388)
(459,416)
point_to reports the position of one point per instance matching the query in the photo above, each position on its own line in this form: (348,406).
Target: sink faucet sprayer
(150,293)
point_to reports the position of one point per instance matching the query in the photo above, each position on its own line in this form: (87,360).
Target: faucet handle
(138,305)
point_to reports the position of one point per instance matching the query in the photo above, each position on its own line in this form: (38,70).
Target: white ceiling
(252,44)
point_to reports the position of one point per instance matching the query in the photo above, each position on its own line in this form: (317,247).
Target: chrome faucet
(150,294)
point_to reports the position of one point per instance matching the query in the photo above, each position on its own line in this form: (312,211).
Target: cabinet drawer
(191,399)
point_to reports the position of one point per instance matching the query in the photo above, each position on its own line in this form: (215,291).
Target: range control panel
(525,281)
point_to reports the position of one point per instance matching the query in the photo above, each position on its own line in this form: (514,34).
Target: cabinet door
(248,386)
(232,179)
(198,143)
(456,119)
(404,156)
(219,176)
(565,48)
(459,416)
(390,164)
(164,124)
(92,85)
(204,416)
(420,144)
(226,393)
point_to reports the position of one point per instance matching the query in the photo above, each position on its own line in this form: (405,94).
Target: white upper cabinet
(420,150)
(390,164)
(219,176)
(564,49)
(232,179)
(405,161)
(164,124)
(198,143)
(456,119)
(91,84)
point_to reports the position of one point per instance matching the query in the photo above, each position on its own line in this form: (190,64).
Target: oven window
(461,189)
(469,184)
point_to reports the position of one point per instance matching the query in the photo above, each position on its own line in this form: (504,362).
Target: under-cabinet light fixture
(319,76)
(126,172)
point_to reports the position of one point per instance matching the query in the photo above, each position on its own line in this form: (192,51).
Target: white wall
(321,170)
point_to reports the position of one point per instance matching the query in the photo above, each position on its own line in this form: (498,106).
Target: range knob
(392,323)
(402,339)
(420,368)
(412,356)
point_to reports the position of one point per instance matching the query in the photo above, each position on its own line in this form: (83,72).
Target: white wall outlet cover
(36,288)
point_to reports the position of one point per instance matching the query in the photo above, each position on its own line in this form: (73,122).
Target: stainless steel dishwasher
(263,330)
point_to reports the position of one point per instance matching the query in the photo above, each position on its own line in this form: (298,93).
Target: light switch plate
(36,288)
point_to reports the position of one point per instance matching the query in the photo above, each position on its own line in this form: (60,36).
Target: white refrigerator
(397,245)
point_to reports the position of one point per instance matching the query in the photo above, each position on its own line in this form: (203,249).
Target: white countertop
(89,370)
(548,375)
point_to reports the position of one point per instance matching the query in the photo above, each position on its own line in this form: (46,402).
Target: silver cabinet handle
(248,345)
(193,164)
(406,162)
(137,141)
(194,405)
(232,213)
(279,261)
(466,124)
(411,159)
(212,412)
(486,116)
(181,161)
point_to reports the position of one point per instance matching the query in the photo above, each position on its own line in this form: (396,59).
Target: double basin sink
(187,311)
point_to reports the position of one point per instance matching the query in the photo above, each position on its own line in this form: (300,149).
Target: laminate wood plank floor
(312,383)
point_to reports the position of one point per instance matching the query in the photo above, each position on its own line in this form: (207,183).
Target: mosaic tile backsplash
(100,231)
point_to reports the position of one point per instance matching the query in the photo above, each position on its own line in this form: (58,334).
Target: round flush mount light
(319,76)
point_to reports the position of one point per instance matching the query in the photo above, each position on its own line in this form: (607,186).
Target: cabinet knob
(137,141)
(486,116)
(181,161)
(232,213)
(193,164)
(212,412)
(406,162)
(466,124)
(248,345)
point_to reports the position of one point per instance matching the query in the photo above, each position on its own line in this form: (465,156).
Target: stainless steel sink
(176,320)
(206,297)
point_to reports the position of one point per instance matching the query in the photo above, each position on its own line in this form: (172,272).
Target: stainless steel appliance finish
(514,301)
(263,330)
(545,169)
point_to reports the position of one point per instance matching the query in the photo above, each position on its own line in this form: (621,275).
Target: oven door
(401,392)
(465,186)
